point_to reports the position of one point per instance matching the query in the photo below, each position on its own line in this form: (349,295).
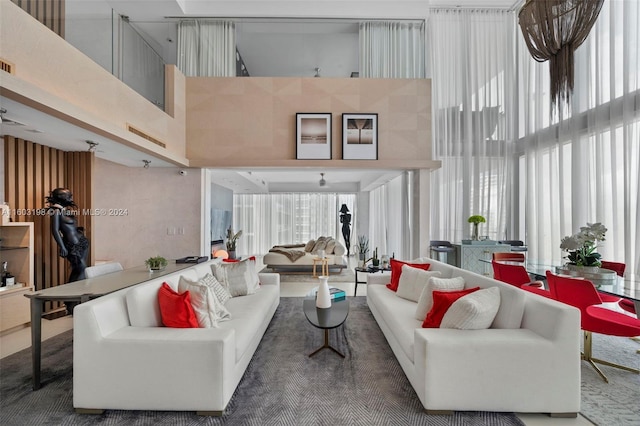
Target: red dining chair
(515,275)
(627,305)
(617,267)
(594,318)
(507,255)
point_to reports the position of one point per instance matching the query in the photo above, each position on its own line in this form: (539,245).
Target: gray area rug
(617,402)
(305,275)
(282,385)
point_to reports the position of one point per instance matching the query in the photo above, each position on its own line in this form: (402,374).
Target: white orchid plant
(582,245)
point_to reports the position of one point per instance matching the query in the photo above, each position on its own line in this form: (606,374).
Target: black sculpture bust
(72,243)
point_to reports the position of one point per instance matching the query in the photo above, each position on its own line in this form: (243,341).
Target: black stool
(516,245)
(439,247)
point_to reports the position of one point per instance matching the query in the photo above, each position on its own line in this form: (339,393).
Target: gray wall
(221,211)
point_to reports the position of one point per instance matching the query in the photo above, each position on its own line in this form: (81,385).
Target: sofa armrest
(551,319)
(383,278)
(140,368)
(496,369)
(269,278)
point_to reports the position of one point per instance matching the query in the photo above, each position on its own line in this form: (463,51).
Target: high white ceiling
(260,22)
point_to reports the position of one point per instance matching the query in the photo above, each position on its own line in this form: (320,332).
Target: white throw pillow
(339,249)
(412,281)
(240,278)
(474,311)
(206,306)
(425,302)
(221,293)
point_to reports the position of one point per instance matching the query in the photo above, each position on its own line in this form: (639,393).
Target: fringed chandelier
(553,30)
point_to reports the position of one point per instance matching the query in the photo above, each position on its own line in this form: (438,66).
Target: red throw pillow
(175,308)
(237,260)
(442,301)
(396,271)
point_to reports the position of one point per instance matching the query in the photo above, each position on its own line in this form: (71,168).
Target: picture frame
(313,136)
(360,136)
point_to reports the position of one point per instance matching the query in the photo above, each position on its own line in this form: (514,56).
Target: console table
(471,256)
(80,292)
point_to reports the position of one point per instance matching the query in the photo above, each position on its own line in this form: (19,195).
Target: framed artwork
(313,136)
(359,136)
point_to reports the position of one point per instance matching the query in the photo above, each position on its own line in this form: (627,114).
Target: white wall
(88,27)
(163,213)
(1,170)
(296,49)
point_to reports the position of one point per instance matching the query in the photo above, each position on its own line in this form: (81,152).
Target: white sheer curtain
(378,219)
(392,49)
(207,48)
(583,166)
(390,222)
(289,218)
(473,98)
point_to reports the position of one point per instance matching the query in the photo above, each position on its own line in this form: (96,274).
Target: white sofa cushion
(425,302)
(339,250)
(398,314)
(208,309)
(310,245)
(413,281)
(240,278)
(512,299)
(474,311)
(249,312)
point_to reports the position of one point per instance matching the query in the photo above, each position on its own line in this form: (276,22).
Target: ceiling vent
(7,66)
(145,136)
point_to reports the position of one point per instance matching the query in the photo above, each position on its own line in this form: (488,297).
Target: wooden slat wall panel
(79,166)
(49,12)
(31,172)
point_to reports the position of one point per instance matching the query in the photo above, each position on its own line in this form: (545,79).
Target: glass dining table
(627,287)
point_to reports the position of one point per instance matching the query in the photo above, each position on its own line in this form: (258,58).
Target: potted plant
(157,263)
(363,249)
(475,219)
(581,247)
(232,241)
(375,261)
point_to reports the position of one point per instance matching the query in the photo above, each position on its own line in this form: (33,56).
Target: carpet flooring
(617,402)
(282,385)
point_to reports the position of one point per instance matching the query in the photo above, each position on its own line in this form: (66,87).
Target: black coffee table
(326,319)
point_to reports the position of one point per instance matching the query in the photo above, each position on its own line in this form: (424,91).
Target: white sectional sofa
(527,361)
(123,358)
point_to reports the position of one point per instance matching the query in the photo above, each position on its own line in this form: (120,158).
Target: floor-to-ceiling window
(289,218)
(473,97)
(536,176)
(582,165)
